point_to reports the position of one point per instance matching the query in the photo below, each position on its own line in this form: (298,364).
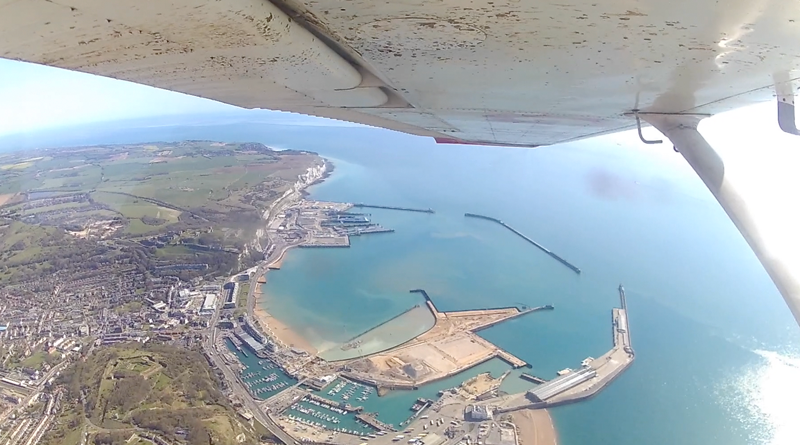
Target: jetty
(528,239)
(372,421)
(593,376)
(346,407)
(428,301)
(359,232)
(547,307)
(507,312)
(405,209)
(532,378)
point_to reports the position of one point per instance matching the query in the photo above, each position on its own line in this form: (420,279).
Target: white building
(478,413)
(209,305)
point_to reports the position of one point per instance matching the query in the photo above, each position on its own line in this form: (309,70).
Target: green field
(134,208)
(35,360)
(19,242)
(173,251)
(241,298)
(202,192)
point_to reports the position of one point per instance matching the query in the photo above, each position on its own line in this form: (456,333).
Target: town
(64,335)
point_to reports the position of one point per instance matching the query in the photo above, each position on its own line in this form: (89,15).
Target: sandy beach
(535,427)
(5,198)
(276,328)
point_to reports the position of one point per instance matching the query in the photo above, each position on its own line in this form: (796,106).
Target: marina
(261,377)
(467,274)
(349,394)
(445,348)
(320,415)
(337,408)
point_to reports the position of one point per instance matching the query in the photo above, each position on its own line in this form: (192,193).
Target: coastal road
(248,401)
(236,386)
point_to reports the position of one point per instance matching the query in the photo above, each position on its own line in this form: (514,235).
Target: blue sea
(718,355)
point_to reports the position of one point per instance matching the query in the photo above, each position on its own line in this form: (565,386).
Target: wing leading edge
(501,72)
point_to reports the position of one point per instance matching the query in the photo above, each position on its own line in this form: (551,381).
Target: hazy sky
(35,96)
(763,160)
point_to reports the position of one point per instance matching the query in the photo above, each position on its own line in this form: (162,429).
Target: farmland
(201,201)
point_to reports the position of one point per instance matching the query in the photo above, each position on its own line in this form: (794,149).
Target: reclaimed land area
(182,209)
(451,346)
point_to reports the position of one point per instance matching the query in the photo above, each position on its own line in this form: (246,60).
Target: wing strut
(682,131)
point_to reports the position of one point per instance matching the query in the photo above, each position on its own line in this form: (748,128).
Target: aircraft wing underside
(510,72)
(505,72)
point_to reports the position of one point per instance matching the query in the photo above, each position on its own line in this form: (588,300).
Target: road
(210,339)
(35,391)
(247,400)
(236,386)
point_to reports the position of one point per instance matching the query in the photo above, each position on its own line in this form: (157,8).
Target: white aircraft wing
(505,72)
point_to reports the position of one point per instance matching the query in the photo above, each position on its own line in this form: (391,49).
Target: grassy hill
(139,389)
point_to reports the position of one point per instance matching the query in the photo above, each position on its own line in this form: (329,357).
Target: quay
(327,242)
(519,314)
(510,312)
(621,323)
(405,209)
(347,407)
(528,239)
(513,360)
(532,378)
(428,300)
(592,377)
(370,420)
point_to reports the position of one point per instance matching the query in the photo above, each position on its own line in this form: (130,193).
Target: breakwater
(350,344)
(590,379)
(518,314)
(532,378)
(405,209)
(546,307)
(427,299)
(526,238)
(373,421)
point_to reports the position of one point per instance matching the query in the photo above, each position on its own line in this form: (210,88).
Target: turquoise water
(718,359)
(702,309)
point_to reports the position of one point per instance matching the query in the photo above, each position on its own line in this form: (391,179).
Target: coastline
(269,323)
(535,427)
(278,330)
